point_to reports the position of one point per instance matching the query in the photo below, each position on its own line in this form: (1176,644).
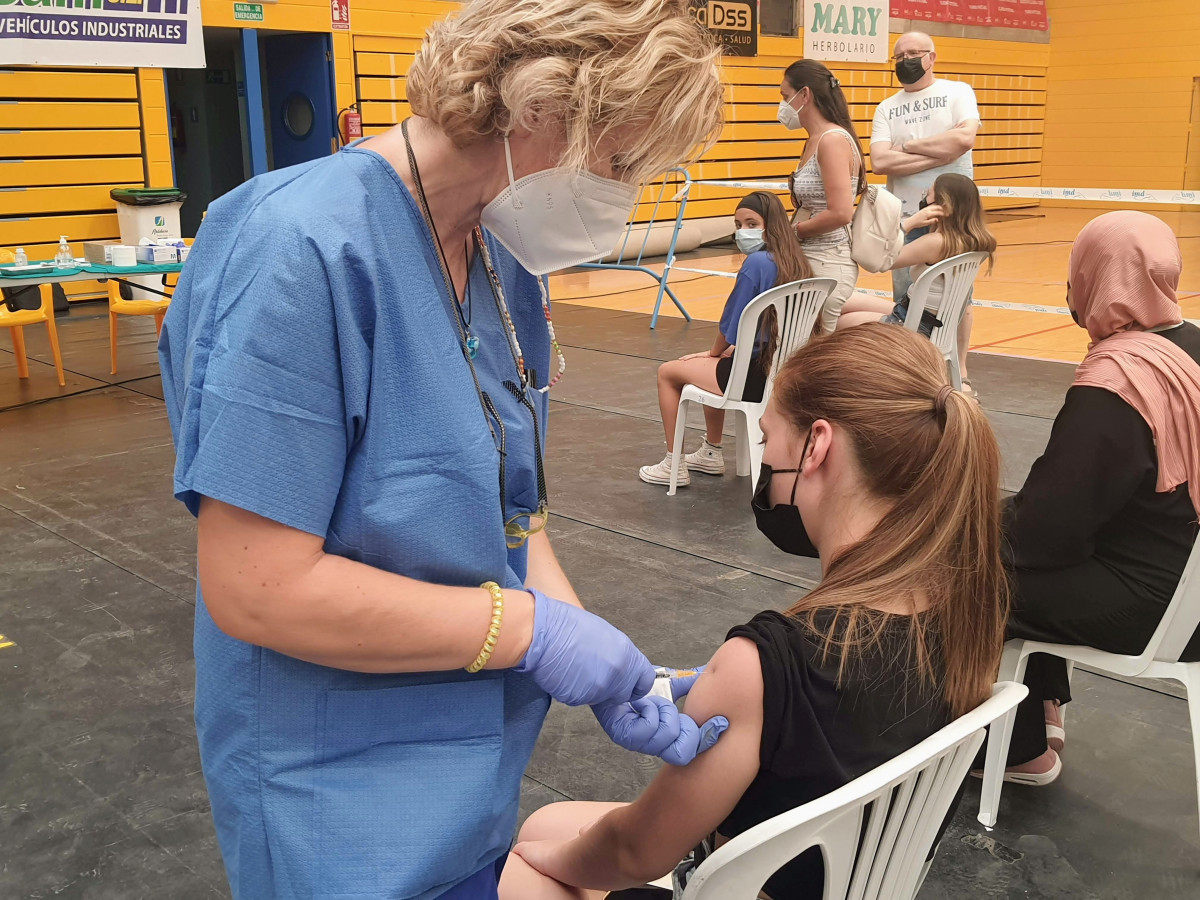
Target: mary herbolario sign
(846,30)
(734,23)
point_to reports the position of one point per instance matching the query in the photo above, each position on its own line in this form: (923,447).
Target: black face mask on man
(910,70)
(782,524)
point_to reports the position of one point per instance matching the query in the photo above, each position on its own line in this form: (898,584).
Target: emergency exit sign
(247,12)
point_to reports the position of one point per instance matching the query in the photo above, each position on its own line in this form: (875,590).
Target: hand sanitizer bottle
(64,257)
(22,259)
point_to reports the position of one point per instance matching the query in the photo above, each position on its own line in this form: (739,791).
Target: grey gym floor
(101,794)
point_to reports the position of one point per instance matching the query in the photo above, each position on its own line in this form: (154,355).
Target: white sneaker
(660,473)
(708,459)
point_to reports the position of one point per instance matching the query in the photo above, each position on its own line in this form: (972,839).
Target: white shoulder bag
(876,237)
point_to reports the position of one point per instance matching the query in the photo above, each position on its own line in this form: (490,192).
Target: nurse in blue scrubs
(356,367)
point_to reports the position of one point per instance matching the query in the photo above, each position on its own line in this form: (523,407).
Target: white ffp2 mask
(788,115)
(558,217)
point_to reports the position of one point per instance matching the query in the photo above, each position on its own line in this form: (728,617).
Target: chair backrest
(1181,617)
(895,810)
(797,306)
(43,312)
(958,277)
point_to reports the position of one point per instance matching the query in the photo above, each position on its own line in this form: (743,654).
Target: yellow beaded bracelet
(493,635)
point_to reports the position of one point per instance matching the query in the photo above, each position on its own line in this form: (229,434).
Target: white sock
(708,443)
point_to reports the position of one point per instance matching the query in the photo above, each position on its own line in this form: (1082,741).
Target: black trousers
(1087,604)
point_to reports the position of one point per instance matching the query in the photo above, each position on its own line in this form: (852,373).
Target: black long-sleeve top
(1092,495)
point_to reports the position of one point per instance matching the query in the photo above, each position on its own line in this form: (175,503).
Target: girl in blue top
(773,257)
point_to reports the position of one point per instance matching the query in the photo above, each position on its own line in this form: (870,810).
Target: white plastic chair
(797,306)
(1160,659)
(958,273)
(896,808)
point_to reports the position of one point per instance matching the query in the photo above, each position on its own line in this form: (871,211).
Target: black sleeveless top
(817,736)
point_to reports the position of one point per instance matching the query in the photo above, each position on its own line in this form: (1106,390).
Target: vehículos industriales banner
(151,33)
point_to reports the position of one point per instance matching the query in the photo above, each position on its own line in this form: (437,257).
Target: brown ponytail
(932,454)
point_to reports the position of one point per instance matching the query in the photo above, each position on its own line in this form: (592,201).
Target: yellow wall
(76,134)
(1009,80)
(81,132)
(1120,92)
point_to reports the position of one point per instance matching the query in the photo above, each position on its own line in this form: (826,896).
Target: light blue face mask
(749,239)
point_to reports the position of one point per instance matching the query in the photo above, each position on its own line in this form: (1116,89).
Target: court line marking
(1017,337)
(997,304)
(987,304)
(1024,192)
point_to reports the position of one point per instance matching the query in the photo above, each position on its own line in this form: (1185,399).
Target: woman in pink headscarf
(1101,531)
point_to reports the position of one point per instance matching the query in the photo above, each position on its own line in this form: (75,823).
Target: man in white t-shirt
(922,131)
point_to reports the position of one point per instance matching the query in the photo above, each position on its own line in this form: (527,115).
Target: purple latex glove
(578,658)
(654,726)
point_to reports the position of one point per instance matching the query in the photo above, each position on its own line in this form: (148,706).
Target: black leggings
(1088,604)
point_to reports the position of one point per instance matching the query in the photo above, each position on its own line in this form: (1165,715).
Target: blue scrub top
(757,274)
(313,376)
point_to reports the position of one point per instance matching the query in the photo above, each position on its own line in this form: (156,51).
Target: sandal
(969,390)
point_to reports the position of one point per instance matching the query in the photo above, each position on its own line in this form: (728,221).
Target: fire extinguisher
(351,124)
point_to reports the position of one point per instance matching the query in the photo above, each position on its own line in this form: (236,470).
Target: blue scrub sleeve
(266,425)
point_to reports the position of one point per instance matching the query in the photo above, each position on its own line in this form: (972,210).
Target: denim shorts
(900,312)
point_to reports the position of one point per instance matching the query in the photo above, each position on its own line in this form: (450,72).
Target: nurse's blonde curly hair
(640,69)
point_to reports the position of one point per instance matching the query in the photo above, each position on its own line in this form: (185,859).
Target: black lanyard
(519,388)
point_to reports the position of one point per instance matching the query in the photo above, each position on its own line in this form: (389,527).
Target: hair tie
(939,402)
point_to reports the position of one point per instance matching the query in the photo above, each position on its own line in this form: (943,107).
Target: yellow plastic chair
(15,322)
(153,305)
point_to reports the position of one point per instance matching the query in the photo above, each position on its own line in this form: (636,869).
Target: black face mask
(782,524)
(1074,315)
(910,71)
(924,203)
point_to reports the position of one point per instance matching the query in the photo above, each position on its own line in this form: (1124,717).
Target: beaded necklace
(496,285)
(515,534)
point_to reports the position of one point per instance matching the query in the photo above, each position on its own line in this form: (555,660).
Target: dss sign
(732,22)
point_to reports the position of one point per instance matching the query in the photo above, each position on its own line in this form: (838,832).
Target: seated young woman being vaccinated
(773,257)
(954,215)
(902,635)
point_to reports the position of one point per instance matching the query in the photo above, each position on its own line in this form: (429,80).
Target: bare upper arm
(684,804)
(244,559)
(837,160)
(925,250)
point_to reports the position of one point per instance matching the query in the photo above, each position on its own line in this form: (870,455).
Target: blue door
(299,97)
